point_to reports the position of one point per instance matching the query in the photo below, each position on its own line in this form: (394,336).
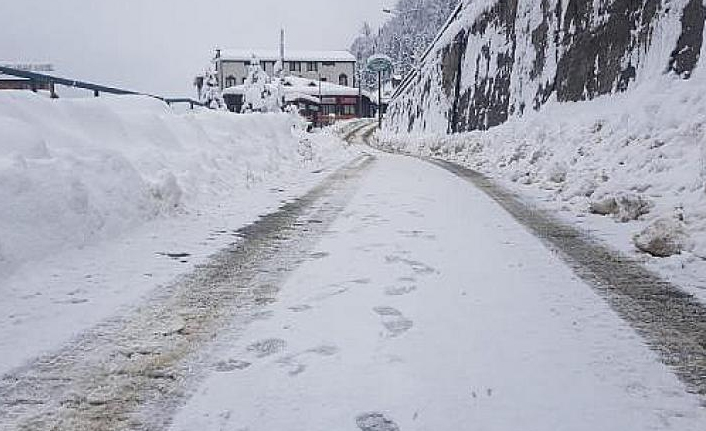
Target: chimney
(281,51)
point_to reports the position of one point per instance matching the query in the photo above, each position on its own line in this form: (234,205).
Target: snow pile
(80,170)
(639,157)
(663,238)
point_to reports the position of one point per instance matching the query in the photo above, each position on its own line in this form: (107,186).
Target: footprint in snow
(393,320)
(231,365)
(295,363)
(72,301)
(375,421)
(268,347)
(416,266)
(399,290)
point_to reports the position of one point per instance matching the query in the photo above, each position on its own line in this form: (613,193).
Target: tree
(211,95)
(406,35)
(260,93)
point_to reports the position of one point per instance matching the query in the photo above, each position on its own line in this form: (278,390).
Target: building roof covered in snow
(303,86)
(273,55)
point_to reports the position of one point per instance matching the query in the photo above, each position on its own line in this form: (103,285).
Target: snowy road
(396,296)
(430,308)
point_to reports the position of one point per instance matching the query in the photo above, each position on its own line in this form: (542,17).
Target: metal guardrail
(41,78)
(191,102)
(413,74)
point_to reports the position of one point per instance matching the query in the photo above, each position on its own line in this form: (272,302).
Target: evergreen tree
(211,95)
(411,29)
(261,94)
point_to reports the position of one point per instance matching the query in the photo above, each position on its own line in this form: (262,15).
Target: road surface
(397,295)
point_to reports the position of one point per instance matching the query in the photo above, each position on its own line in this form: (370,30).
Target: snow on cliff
(500,59)
(74,171)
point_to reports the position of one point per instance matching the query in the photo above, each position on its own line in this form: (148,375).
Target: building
(337,67)
(320,101)
(10,82)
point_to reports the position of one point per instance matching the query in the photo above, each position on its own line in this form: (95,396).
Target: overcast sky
(158,46)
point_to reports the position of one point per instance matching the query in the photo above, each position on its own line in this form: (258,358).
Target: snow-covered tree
(404,37)
(260,92)
(211,95)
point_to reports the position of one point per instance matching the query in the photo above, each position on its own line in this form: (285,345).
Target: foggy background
(158,46)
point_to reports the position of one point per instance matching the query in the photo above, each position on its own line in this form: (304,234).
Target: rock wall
(499,58)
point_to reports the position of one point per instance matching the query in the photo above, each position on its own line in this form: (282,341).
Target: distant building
(336,67)
(321,102)
(10,82)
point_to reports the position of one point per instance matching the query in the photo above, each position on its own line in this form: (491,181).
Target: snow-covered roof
(311,87)
(308,87)
(291,96)
(273,55)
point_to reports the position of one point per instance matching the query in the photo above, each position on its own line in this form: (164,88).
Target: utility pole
(281,53)
(359,73)
(321,104)
(379,99)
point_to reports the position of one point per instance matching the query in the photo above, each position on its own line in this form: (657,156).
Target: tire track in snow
(672,322)
(132,372)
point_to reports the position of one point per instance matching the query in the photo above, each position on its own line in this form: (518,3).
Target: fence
(39,79)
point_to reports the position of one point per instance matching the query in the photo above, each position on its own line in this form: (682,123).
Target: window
(343,79)
(244,80)
(324,79)
(329,63)
(312,66)
(231,81)
(295,66)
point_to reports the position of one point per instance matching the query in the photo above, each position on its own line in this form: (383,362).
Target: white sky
(158,46)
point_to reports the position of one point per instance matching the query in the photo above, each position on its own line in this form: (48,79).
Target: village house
(337,67)
(319,101)
(10,82)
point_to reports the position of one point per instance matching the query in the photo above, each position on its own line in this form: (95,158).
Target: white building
(337,67)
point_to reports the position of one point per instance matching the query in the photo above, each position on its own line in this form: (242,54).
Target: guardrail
(413,74)
(191,102)
(37,79)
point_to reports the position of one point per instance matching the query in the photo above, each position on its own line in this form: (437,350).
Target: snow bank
(76,171)
(639,157)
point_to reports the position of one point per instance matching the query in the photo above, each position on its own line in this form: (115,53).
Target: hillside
(500,59)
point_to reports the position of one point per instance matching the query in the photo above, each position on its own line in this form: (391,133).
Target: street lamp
(379,63)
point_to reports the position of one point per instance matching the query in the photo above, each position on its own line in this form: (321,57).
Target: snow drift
(73,171)
(635,157)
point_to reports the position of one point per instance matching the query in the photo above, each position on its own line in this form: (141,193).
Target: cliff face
(499,58)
